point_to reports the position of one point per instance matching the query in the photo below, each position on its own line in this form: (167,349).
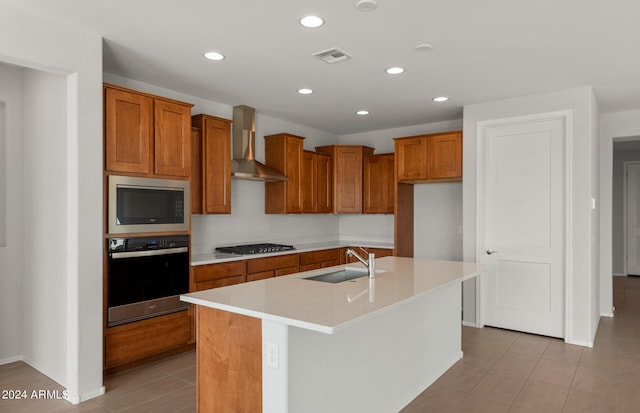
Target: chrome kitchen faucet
(370,263)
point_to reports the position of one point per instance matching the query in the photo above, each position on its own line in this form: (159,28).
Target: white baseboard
(11,360)
(579,343)
(619,275)
(76,399)
(610,315)
(470,324)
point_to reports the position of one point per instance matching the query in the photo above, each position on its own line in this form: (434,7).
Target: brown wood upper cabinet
(324,180)
(284,152)
(347,163)
(433,157)
(143,130)
(309,182)
(378,188)
(316,183)
(211,169)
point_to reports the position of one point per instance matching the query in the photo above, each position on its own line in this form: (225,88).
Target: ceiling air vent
(334,55)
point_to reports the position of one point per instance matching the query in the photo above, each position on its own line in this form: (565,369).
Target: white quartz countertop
(216,258)
(328,308)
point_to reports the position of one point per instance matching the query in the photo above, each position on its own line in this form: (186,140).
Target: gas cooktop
(254,249)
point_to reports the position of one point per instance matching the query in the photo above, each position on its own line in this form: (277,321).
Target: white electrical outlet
(273,359)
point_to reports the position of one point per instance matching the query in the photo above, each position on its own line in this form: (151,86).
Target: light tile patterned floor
(167,386)
(501,371)
(505,371)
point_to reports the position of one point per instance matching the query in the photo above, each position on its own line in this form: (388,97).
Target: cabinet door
(324,183)
(348,179)
(172,148)
(378,184)
(294,173)
(216,166)
(389,183)
(196,171)
(309,183)
(411,158)
(128,127)
(283,152)
(445,156)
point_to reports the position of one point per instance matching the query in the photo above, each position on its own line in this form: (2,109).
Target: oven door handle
(148,253)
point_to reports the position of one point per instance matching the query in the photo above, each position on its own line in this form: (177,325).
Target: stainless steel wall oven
(146,276)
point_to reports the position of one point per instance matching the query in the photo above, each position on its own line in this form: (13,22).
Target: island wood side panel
(229,358)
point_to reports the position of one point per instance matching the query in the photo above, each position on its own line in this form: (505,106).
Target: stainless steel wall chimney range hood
(243,164)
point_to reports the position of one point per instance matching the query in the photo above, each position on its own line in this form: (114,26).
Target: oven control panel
(147,243)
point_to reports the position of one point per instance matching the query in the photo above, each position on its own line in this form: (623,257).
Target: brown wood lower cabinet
(153,337)
(219,275)
(313,260)
(261,268)
(229,371)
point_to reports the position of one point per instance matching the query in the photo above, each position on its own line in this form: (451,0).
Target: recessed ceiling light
(425,47)
(214,56)
(362,112)
(440,99)
(395,70)
(366,5)
(305,91)
(311,21)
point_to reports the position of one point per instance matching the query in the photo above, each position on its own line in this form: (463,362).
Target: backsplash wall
(248,223)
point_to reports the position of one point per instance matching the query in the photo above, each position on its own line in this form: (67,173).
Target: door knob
(489,252)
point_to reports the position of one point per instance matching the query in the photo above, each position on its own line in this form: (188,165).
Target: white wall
(437,207)
(617,219)
(36,42)
(594,168)
(584,237)
(45,224)
(612,126)
(11,321)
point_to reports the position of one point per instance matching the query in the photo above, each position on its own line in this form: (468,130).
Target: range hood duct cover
(244,164)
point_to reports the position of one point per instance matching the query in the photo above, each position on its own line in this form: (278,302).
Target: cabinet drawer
(309,267)
(210,272)
(135,341)
(261,275)
(222,282)
(271,263)
(287,271)
(312,257)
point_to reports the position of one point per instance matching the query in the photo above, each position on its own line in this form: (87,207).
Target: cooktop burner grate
(254,248)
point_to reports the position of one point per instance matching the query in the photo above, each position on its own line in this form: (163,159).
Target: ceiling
(482,51)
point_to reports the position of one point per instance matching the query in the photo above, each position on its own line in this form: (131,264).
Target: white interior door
(523,215)
(633,219)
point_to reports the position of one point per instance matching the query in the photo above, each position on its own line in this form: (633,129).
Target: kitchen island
(288,344)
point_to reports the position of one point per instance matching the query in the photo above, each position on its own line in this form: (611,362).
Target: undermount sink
(339,276)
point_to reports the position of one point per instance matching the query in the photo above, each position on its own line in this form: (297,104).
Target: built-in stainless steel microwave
(147,205)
